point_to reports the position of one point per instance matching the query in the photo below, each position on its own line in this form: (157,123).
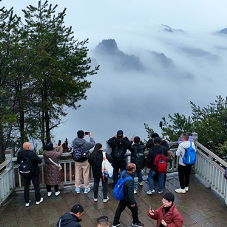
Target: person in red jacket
(167,214)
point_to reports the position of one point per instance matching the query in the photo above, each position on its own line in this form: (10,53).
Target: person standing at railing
(82,167)
(119,145)
(184,170)
(52,174)
(137,156)
(156,150)
(34,177)
(95,160)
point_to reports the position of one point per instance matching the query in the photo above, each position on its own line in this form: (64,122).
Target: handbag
(107,169)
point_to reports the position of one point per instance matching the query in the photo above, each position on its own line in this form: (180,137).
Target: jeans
(104,187)
(121,206)
(139,175)
(35,182)
(151,180)
(116,166)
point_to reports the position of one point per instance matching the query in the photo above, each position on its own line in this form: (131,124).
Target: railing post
(195,136)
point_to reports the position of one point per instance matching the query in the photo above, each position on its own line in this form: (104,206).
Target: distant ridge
(108,49)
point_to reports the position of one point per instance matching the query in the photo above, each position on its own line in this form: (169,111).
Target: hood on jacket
(68,218)
(78,141)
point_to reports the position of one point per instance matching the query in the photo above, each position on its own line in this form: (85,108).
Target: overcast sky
(125,100)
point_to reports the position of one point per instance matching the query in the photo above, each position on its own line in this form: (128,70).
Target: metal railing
(210,168)
(7,179)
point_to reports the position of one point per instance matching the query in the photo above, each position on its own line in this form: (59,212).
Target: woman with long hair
(95,160)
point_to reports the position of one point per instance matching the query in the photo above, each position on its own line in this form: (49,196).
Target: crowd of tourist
(156,161)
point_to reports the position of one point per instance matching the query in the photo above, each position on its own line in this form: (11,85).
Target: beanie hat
(169,197)
(77,209)
(119,133)
(49,147)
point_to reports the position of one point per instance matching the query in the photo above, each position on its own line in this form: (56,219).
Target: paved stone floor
(199,207)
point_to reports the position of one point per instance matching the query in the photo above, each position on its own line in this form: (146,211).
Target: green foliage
(209,122)
(149,131)
(43,71)
(176,125)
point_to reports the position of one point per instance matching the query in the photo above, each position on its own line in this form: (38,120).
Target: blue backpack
(118,191)
(189,156)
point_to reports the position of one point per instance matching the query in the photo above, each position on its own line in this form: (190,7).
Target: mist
(154,57)
(139,84)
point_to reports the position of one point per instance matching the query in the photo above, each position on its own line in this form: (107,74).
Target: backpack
(25,166)
(107,169)
(189,156)
(160,163)
(118,191)
(118,153)
(138,157)
(78,154)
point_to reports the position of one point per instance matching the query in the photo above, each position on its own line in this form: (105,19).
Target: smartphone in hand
(59,142)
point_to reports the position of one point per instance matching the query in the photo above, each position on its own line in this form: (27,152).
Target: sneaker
(77,190)
(186,189)
(86,190)
(49,194)
(150,192)
(135,191)
(116,224)
(140,183)
(139,224)
(180,190)
(95,199)
(27,204)
(105,200)
(57,193)
(160,192)
(41,200)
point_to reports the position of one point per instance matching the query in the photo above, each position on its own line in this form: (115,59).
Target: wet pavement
(199,207)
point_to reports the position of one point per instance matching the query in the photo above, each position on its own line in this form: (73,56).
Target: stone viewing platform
(199,207)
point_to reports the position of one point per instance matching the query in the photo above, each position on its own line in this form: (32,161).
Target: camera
(87,133)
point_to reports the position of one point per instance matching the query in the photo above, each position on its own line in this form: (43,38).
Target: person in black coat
(72,218)
(137,156)
(95,160)
(35,160)
(119,145)
(129,199)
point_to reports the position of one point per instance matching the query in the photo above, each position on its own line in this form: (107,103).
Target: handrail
(214,156)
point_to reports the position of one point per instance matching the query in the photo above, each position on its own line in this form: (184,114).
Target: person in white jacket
(184,170)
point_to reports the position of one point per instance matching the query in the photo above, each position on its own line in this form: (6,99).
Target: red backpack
(160,163)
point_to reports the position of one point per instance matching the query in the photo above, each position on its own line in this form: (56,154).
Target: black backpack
(25,166)
(79,155)
(138,157)
(118,152)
